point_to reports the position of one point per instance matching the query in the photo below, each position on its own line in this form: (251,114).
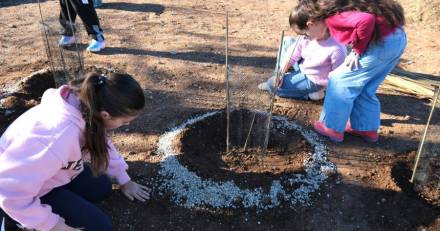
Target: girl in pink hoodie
(312,57)
(44,183)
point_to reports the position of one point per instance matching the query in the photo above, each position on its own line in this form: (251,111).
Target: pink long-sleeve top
(356,28)
(41,150)
(319,58)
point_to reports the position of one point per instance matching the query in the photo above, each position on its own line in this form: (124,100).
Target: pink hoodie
(319,58)
(41,150)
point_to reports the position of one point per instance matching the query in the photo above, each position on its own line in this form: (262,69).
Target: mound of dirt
(26,94)
(428,190)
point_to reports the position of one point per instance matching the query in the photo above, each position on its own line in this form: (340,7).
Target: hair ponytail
(118,95)
(95,132)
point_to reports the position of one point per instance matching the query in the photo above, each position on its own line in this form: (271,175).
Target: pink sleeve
(26,165)
(352,27)
(296,55)
(117,167)
(338,57)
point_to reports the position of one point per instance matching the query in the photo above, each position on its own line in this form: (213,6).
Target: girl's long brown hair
(306,10)
(117,94)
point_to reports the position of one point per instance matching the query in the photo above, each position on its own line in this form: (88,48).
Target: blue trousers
(351,94)
(74,202)
(86,11)
(295,83)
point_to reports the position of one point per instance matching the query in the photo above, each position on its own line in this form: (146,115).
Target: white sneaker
(96,46)
(264,86)
(317,95)
(66,40)
(97,3)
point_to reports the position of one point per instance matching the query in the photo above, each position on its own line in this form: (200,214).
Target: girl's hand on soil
(134,190)
(61,226)
(352,60)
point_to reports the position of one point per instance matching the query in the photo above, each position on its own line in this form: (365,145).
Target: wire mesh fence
(249,111)
(66,63)
(249,108)
(427,169)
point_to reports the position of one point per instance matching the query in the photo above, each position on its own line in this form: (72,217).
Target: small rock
(383,200)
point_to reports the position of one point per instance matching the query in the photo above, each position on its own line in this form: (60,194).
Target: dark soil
(429,190)
(175,49)
(203,150)
(27,94)
(374,195)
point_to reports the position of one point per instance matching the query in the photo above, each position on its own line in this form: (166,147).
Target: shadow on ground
(8,3)
(414,111)
(342,207)
(196,56)
(146,7)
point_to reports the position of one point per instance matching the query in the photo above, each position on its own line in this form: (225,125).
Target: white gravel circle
(189,190)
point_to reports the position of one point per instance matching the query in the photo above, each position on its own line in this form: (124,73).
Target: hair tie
(101,80)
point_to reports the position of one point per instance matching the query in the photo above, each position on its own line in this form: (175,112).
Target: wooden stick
(227,87)
(272,97)
(422,142)
(249,133)
(408,86)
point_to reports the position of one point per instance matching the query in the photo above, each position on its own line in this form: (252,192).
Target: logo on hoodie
(76,165)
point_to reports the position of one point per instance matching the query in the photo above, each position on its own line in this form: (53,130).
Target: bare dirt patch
(175,49)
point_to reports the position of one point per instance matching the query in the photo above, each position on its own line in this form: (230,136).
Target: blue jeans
(351,94)
(74,203)
(295,83)
(97,3)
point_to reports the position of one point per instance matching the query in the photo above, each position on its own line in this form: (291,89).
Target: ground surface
(176,50)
